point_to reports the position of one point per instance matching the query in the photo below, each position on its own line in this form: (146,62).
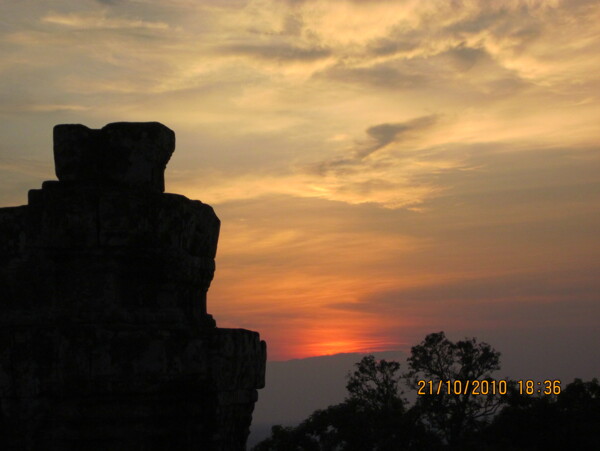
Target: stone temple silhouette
(105,340)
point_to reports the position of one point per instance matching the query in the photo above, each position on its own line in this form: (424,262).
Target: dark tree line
(446,415)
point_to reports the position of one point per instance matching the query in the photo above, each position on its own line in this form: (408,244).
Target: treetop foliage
(375,384)
(438,358)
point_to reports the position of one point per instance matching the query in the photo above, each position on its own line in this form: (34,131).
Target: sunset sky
(382,169)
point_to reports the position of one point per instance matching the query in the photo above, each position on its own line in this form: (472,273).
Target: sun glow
(335,347)
(349,346)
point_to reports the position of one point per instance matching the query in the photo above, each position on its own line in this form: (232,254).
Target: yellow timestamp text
(546,387)
(459,387)
(488,387)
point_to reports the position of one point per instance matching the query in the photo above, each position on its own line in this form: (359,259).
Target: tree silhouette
(376,384)
(460,414)
(373,417)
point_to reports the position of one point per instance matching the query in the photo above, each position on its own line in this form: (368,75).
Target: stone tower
(105,340)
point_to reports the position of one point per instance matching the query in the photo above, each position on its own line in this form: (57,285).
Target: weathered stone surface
(124,153)
(105,339)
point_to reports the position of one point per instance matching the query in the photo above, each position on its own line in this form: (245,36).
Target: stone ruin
(105,340)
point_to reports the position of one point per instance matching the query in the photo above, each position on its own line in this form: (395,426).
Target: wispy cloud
(44,108)
(280,52)
(380,137)
(101,20)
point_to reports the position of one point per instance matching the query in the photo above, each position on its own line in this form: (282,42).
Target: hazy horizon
(382,170)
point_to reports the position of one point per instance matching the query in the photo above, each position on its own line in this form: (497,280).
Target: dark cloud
(384,134)
(503,297)
(464,57)
(392,45)
(484,19)
(443,71)
(340,165)
(502,23)
(404,38)
(280,52)
(380,136)
(388,75)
